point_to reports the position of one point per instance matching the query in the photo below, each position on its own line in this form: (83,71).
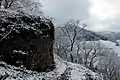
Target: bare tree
(88,52)
(101,59)
(70,30)
(26,6)
(109,66)
(6,3)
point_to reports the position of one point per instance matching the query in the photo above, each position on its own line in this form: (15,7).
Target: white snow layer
(111,45)
(63,71)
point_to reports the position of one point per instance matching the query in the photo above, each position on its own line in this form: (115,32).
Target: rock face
(26,40)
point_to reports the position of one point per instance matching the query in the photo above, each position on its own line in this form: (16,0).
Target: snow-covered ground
(111,45)
(63,71)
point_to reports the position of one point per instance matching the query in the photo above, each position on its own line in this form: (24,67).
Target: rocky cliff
(26,40)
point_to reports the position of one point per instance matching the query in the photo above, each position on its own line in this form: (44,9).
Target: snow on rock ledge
(63,71)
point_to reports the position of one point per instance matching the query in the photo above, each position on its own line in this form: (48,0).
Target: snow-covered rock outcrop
(26,40)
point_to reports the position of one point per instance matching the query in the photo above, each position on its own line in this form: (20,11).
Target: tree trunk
(0,3)
(71,57)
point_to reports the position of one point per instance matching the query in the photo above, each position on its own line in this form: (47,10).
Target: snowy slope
(107,44)
(63,71)
(111,45)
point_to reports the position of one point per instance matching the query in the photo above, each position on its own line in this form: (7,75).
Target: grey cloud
(105,14)
(63,10)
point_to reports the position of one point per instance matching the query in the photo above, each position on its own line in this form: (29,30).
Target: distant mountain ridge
(92,36)
(85,34)
(111,36)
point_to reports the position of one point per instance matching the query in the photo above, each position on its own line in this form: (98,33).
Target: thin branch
(6,34)
(10,4)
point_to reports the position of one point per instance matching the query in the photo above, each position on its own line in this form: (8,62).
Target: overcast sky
(99,15)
